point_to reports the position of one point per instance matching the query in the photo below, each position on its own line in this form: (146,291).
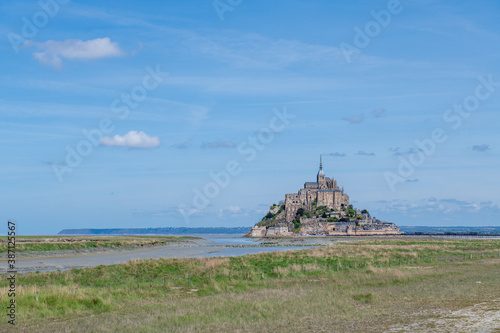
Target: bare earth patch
(480,318)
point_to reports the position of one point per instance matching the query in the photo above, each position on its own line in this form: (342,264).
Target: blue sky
(402,98)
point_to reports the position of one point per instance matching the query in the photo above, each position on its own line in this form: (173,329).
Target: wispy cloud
(378,112)
(182,145)
(248,85)
(439,212)
(218,144)
(357,119)
(52,163)
(132,139)
(336,154)
(440,206)
(226,212)
(230,210)
(239,49)
(398,152)
(53,52)
(364,153)
(197,117)
(244,50)
(481,148)
(256,51)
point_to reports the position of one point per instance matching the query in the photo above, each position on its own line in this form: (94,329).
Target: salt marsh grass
(359,286)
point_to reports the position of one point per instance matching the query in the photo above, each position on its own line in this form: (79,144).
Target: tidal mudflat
(188,247)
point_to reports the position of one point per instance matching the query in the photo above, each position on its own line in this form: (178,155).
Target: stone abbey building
(323,192)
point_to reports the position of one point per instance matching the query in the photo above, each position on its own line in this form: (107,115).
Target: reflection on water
(221,240)
(234,252)
(231,240)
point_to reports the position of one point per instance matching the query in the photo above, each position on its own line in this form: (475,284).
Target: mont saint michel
(320,208)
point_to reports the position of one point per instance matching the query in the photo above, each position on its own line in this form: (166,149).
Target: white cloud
(132,139)
(54,51)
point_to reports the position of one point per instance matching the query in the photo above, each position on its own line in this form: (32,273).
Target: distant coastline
(155,231)
(425,230)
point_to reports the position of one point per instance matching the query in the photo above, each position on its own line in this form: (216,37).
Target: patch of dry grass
(352,301)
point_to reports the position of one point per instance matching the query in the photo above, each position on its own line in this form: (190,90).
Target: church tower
(321,173)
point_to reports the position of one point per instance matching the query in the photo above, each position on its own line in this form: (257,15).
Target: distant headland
(320,208)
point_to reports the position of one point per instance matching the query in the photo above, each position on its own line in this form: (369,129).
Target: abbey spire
(321,173)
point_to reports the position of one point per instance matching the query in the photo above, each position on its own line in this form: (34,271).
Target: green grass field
(34,244)
(356,286)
